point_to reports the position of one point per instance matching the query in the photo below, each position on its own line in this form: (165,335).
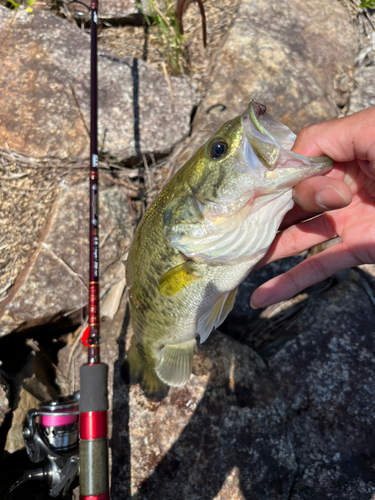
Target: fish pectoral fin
(214,317)
(178,278)
(227,307)
(175,362)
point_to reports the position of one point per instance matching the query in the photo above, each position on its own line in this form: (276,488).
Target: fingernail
(330,198)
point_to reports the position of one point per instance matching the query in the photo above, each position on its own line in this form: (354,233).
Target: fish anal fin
(175,362)
(178,278)
(214,317)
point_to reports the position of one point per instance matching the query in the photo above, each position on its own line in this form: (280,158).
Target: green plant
(367,3)
(16,4)
(171,42)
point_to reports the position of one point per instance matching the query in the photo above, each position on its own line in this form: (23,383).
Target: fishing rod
(93,406)
(51,432)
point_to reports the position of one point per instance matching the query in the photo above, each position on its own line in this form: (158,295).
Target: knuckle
(307,132)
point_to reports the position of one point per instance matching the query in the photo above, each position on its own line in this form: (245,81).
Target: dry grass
(29,187)
(143,42)
(364,19)
(27,190)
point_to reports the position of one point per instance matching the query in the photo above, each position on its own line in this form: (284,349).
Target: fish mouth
(271,141)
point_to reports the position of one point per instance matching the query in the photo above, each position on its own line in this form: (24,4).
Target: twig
(165,72)
(13,177)
(6,287)
(62,261)
(367,288)
(79,109)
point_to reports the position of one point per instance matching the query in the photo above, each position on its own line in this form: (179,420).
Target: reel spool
(51,435)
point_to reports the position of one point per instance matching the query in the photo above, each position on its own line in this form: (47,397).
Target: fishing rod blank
(93,406)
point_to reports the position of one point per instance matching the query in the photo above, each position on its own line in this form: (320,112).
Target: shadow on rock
(222,432)
(120,442)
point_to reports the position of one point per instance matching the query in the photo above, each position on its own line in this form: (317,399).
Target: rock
(36,376)
(363,96)
(55,280)
(297,424)
(4,399)
(282,54)
(45,81)
(242,319)
(221,436)
(326,377)
(126,11)
(32,385)
(26,402)
(224,432)
(120,9)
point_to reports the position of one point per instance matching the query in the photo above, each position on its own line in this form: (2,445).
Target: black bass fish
(210,225)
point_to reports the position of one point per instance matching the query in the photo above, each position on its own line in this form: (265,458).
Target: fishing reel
(51,435)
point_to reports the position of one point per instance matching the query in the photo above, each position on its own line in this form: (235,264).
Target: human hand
(347,197)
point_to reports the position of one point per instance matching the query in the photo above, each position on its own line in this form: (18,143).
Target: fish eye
(218,149)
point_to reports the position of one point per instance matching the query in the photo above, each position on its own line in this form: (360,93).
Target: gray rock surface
(119,9)
(32,385)
(242,319)
(25,402)
(4,399)
(326,377)
(363,95)
(55,281)
(282,54)
(45,98)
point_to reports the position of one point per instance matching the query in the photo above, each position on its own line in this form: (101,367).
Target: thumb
(345,139)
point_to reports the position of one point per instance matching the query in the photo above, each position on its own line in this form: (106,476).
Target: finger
(321,193)
(298,214)
(295,216)
(298,238)
(344,139)
(307,273)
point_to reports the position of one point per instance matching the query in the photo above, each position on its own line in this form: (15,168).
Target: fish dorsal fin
(215,316)
(175,362)
(178,278)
